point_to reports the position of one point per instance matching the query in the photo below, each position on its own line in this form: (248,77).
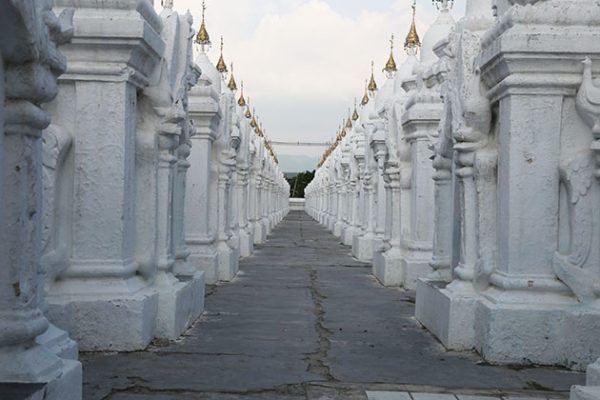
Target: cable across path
(300,144)
(304,320)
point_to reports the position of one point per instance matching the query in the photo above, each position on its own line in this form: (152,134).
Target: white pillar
(22,360)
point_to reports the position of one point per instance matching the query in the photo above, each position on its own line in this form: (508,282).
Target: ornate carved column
(447,299)
(103,284)
(200,206)
(545,185)
(29,65)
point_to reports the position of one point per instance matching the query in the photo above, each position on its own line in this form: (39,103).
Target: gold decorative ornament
(232,85)
(242,100)
(221,66)
(390,66)
(202,38)
(412,44)
(372,83)
(365,99)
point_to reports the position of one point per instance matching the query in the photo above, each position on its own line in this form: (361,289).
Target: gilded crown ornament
(391,67)
(412,44)
(248,113)
(365,98)
(221,66)
(242,100)
(372,83)
(203,38)
(232,85)
(355,115)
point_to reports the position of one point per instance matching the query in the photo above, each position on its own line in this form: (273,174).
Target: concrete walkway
(305,321)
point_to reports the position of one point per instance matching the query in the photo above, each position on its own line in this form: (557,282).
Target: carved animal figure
(588,99)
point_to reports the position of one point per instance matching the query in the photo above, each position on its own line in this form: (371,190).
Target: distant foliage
(299,182)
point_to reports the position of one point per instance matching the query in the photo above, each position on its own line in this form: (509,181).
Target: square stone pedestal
(64,384)
(58,342)
(525,327)
(228,262)
(337,229)
(246,244)
(68,385)
(415,265)
(180,303)
(592,389)
(362,247)
(103,315)
(206,262)
(347,235)
(448,312)
(387,267)
(585,393)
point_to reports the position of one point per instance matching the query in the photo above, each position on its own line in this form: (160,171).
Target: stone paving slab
(375,395)
(304,320)
(389,396)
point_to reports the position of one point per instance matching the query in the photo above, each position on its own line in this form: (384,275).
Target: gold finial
(412,42)
(390,66)
(248,113)
(232,85)
(372,83)
(365,99)
(202,38)
(221,66)
(355,115)
(242,100)
(349,121)
(168,4)
(253,122)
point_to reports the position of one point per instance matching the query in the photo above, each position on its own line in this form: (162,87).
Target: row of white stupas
(130,177)
(472,176)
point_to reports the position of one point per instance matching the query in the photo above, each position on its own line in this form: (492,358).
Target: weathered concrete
(303,320)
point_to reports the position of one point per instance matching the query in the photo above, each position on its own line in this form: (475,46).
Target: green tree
(299,182)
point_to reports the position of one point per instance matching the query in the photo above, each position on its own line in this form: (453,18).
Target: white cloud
(296,52)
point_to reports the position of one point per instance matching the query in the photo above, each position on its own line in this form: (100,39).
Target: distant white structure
(297,204)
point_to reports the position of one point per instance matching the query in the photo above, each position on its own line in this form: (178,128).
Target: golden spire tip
(221,65)
(412,42)
(203,38)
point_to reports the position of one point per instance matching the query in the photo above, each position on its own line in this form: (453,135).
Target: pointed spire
(202,38)
(232,85)
(248,113)
(365,99)
(412,44)
(253,122)
(390,67)
(372,83)
(221,66)
(242,100)
(355,115)
(349,120)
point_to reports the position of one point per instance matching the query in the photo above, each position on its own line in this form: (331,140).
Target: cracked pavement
(304,320)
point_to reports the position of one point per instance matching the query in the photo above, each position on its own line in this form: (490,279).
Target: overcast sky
(304,61)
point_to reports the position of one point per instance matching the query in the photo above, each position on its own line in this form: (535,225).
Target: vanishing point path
(303,320)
